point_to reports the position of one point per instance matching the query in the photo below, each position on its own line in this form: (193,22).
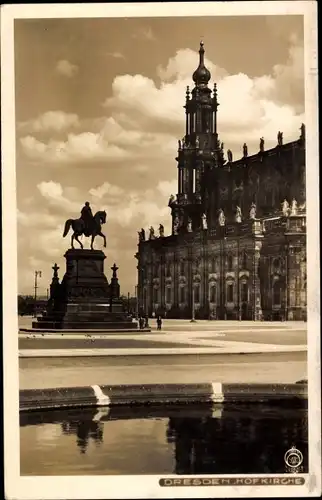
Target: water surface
(175,440)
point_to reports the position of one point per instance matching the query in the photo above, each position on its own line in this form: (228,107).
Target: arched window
(276,264)
(213,264)
(197,293)
(230,292)
(182,296)
(168,295)
(244,260)
(213,294)
(277,293)
(244,292)
(155,295)
(182,267)
(229,262)
(168,270)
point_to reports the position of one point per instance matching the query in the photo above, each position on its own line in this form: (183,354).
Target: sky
(99,111)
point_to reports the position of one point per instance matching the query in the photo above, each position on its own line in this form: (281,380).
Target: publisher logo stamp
(293,459)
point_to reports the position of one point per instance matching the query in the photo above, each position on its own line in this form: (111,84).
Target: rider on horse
(87,217)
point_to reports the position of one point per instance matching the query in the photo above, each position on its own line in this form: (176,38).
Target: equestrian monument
(84,300)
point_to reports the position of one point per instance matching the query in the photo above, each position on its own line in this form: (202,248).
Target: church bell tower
(199,152)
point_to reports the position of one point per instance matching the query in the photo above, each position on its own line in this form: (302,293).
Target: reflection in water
(84,431)
(235,445)
(235,440)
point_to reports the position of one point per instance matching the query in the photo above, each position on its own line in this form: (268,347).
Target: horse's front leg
(104,238)
(72,242)
(92,241)
(81,244)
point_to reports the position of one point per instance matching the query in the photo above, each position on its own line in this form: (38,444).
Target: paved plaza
(183,352)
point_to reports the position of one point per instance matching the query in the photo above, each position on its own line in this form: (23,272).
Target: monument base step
(77,331)
(85,325)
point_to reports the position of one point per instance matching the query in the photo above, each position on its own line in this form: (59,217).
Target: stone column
(257,300)
(293,282)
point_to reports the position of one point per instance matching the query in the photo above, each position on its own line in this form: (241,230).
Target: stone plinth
(84,299)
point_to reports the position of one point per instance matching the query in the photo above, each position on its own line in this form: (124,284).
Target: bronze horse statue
(79,227)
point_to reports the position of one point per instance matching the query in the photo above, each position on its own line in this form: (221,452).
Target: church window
(168,270)
(277,293)
(230,292)
(182,297)
(213,294)
(244,292)
(155,295)
(276,264)
(213,265)
(244,260)
(168,295)
(182,267)
(230,263)
(197,293)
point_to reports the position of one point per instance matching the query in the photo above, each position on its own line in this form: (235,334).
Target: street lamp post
(136,302)
(37,274)
(193,305)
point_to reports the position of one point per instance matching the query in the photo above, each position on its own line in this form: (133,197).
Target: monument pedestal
(84,300)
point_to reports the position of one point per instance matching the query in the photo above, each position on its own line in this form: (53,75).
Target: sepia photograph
(160,212)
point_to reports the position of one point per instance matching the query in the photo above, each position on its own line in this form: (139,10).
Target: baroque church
(237,248)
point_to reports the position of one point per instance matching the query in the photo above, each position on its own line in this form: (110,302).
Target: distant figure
(159,322)
(204,221)
(294,207)
(141,322)
(245,150)
(151,236)
(161,231)
(189,226)
(280,138)
(146,322)
(221,217)
(261,144)
(179,144)
(197,142)
(285,208)
(229,155)
(302,129)
(252,212)
(238,216)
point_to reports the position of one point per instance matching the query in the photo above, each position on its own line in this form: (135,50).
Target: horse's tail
(68,223)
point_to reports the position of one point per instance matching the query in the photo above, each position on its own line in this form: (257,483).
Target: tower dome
(202,75)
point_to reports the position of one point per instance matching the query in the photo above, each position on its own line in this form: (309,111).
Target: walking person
(141,323)
(159,323)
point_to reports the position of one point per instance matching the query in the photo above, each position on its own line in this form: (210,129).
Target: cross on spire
(55,269)
(114,268)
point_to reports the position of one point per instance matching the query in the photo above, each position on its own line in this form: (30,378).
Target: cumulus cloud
(181,66)
(116,55)
(55,121)
(77,148)
(66,68)
(145,34)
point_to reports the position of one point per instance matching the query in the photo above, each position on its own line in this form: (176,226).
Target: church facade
(237,248)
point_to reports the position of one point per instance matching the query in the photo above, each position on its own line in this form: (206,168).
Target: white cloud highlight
(66,68)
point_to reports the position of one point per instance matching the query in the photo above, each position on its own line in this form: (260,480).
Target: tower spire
(202,75)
